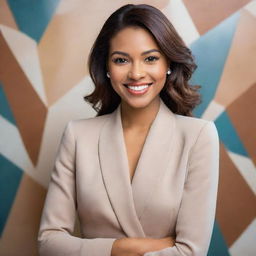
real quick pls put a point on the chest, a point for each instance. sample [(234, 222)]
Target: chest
[(102, 186), (134, 142)]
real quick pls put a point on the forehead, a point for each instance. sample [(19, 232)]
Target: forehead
[(133, 39)]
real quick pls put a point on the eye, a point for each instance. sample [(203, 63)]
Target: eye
[(151, 59), (119, 60)]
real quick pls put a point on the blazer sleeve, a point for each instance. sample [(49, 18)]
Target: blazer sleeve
[(58, 217), (197, 210)]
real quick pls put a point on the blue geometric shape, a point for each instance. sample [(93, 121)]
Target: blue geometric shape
[(32, 17), (218, 245), (5, 109), (10, 177), (228, 135), (210, 52)]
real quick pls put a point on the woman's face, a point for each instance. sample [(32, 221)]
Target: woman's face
[(137, 67)]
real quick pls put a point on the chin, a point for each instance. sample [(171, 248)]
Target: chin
[(138, 104)]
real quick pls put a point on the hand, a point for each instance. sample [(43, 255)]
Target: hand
[(139, 246), (153, 244), (124, 247)]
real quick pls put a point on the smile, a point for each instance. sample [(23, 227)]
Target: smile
[(138, 88)]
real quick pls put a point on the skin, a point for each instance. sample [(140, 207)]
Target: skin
[(135, 58)]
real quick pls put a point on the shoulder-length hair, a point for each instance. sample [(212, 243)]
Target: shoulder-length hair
[(178, 95)]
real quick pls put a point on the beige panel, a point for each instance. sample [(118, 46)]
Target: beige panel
[(160, 4), (6, 17), (64, 47), (242, 114), (28, 109), (20, 234), (206, 14), (239, 71), (236, 205)]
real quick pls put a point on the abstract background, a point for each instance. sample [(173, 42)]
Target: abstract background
[(44, 47)]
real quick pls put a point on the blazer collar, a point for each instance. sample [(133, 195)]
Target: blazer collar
[(129, 201)]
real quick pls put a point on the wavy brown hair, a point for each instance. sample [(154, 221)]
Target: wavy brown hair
[(178, 95)]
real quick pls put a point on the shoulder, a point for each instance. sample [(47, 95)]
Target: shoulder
[(86, 126), (196, 128), (201, 137)]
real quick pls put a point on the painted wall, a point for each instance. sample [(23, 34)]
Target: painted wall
[(44, 47)]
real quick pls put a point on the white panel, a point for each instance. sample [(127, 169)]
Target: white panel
[(181, 20), (24, 49), (12, 148), (246, 169), (213, 111), (251, 7), (70, 106), (245, 245)]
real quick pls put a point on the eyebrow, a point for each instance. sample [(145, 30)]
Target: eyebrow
[(126, 54)]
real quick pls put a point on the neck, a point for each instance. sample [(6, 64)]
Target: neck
[(139, 118)]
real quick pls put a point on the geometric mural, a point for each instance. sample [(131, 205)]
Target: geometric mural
[(44, 47)]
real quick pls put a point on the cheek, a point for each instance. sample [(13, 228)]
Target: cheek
[(159, 73), (117, 73), (117, 78)]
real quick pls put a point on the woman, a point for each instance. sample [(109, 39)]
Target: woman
[(143, 174)]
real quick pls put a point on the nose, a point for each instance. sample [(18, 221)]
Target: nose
[(136, 71)]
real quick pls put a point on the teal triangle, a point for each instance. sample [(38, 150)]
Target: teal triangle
[(32, 17), (218, 245), (10, 177), (5, 109), (211, 51), (228, 135)]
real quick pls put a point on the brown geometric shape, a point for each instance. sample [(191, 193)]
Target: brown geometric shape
[(63, 50), (206, 14), (65, 45), (236, 204), (242, 114), (6, 17), (27, 107), (21, 229), (239, 71)]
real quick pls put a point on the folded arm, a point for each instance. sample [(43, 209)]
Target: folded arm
[(58, 218), (197, 210)]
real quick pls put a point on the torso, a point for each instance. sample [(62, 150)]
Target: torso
[(134, 142)]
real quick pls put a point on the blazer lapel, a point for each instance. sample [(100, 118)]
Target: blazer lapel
[(115, 172), (154, 159), (129, 201)]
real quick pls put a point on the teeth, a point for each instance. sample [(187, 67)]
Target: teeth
[(138, 88)]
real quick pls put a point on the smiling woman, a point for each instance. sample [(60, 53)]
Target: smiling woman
[(137, 68), (142, 175), (159, 33)]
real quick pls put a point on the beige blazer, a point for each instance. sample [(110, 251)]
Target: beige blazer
[(172, 193)]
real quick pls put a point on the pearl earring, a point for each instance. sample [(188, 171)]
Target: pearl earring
[(108, 75), (168, 72)]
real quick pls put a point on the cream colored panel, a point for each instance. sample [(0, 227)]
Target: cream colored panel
[(246, 168), (181, 19), (245, 244), (251, 7), (70, 106), (24, 49), (213, 111), (239, 71)]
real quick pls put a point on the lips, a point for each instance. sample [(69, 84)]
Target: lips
[(137, 88)]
